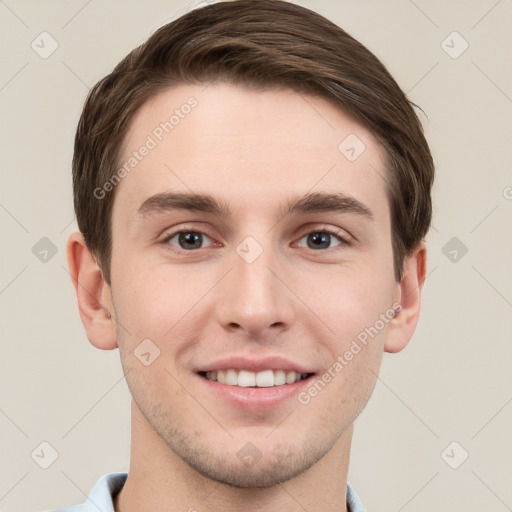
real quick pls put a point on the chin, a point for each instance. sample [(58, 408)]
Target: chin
[(266, 472), (246, 467)]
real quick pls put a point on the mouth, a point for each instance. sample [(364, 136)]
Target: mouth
[(249, 379)]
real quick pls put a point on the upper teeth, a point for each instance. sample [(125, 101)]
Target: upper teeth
[(264, 379)]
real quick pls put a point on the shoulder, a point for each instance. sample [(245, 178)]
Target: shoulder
[(101, 495), (354, 503)]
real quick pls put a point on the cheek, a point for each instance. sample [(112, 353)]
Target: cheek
[(347, 303), (151, 386), (151, 303)]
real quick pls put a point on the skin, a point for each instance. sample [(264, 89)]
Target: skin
[(252, 150)]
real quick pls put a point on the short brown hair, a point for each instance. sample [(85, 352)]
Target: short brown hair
[(260, 44)]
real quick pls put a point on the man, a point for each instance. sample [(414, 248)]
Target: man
[(252, 190)]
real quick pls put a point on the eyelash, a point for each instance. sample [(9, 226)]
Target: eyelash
[(343, 240)]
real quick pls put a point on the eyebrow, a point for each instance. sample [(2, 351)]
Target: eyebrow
[(308, 203)]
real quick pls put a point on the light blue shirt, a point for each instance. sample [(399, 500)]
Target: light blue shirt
[(102, 496)]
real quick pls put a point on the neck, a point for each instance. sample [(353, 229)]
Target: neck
[(159, 480)]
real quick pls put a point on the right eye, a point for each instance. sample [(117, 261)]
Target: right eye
[(186, 239)]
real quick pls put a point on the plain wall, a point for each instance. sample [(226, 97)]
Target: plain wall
[(453, 381)]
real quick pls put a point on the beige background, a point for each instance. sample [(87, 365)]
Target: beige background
[(452, 383)]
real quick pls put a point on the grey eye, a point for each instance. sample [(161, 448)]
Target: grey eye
[(320, 240)]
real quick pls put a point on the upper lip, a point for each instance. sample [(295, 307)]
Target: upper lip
[(254, 364)]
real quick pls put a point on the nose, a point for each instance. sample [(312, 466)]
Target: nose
[(254, 299)]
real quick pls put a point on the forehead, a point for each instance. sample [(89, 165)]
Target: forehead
[(250, 149)]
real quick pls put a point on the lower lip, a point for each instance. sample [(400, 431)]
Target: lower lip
[(255, 399)]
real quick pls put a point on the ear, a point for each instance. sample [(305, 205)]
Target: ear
[(408, 294), (93, 294)]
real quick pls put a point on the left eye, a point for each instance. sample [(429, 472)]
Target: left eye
[(188, 239), (321, 239)]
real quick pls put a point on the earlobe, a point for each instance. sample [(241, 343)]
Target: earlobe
[(91, 291), (402, 326)]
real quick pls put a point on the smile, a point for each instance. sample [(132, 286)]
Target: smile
[(262, 379)]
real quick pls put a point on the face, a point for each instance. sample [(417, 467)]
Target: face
[(239, 310)]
